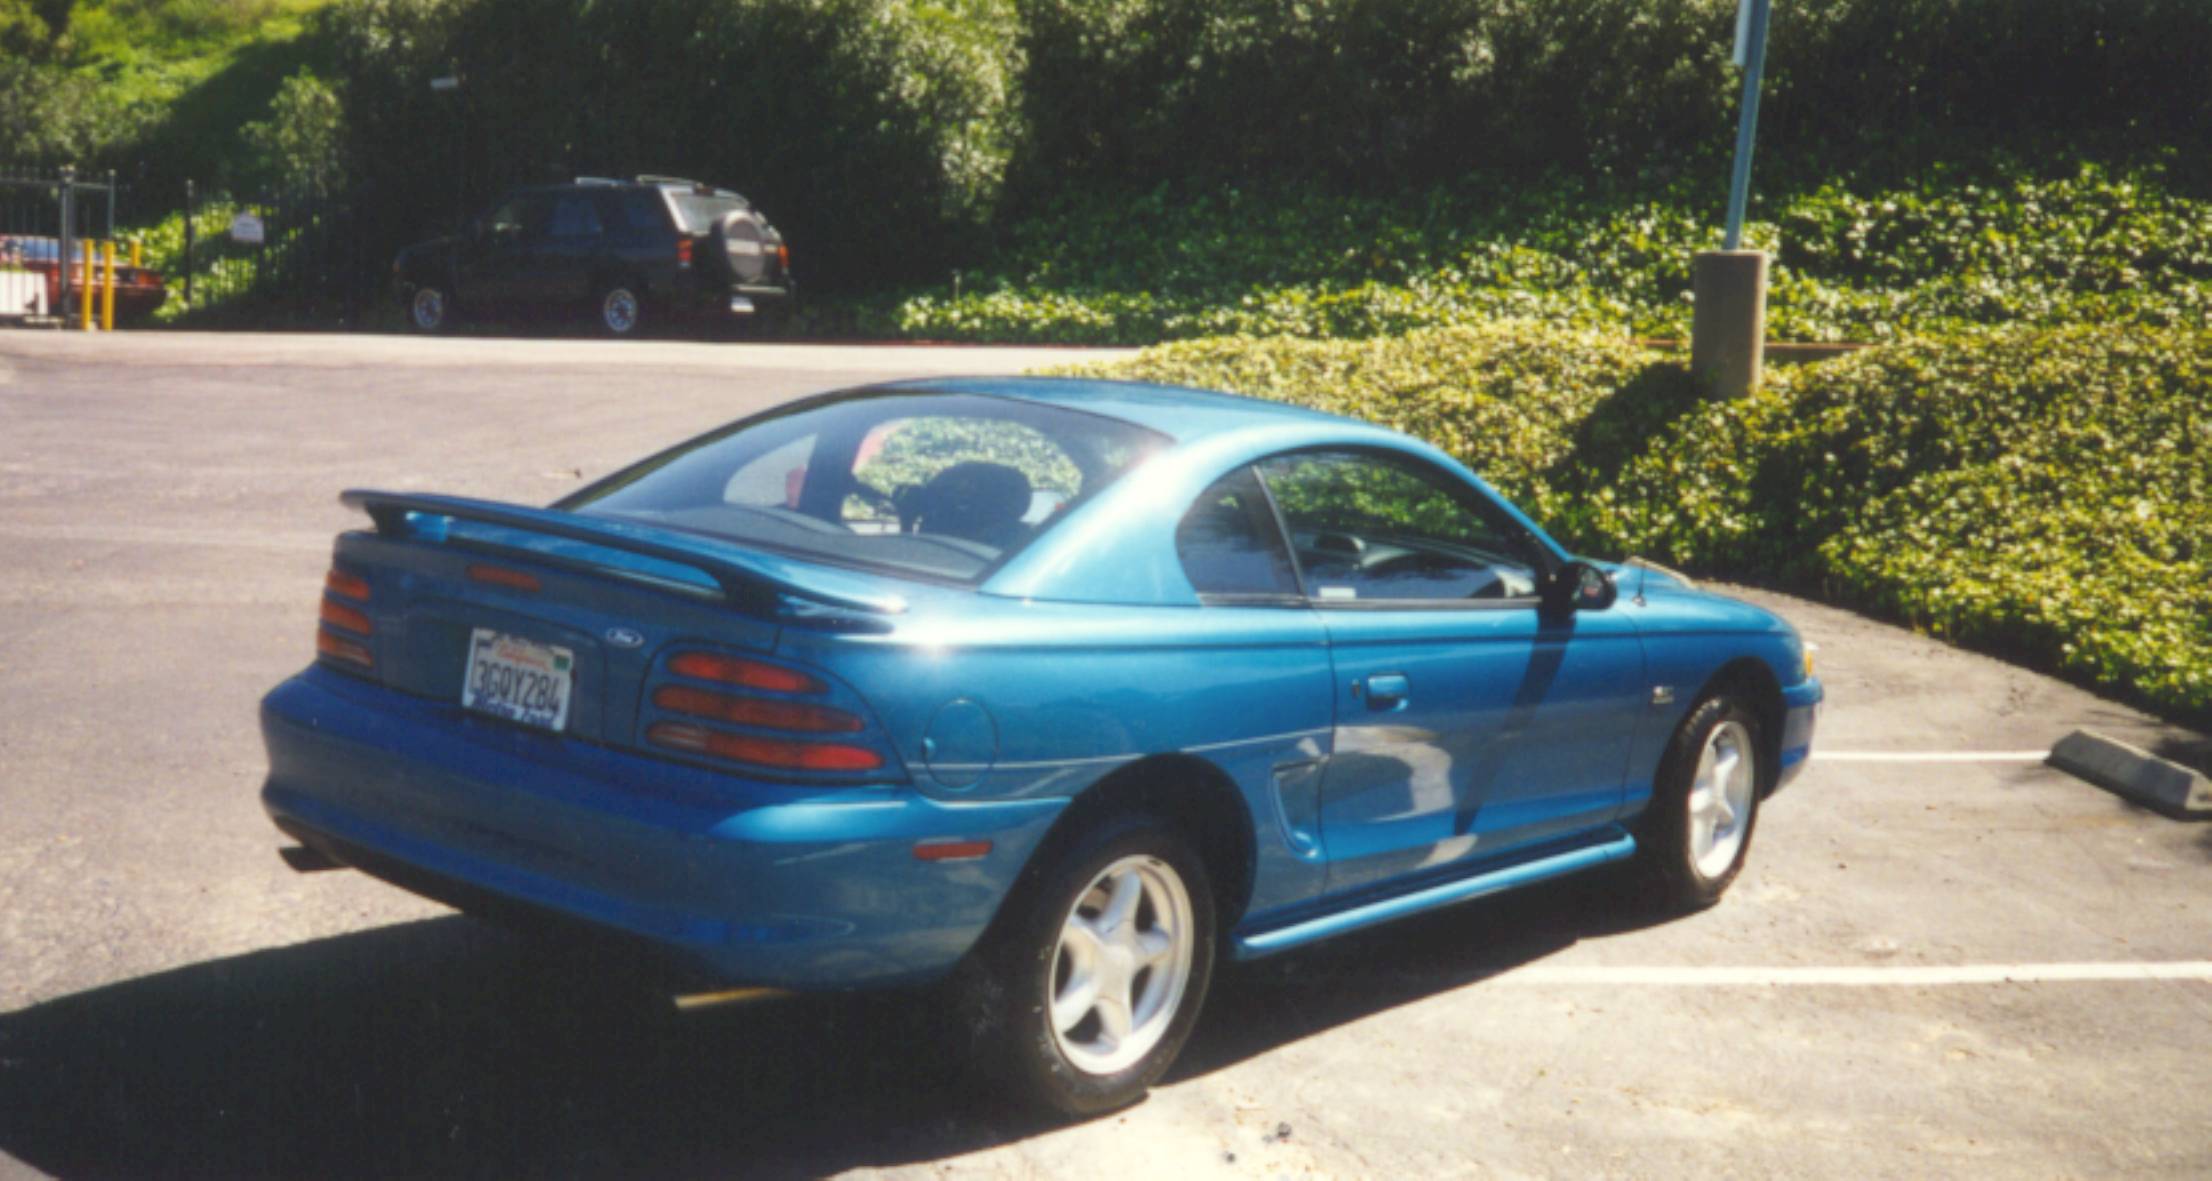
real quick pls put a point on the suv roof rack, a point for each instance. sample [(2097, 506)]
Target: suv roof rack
[(654, 179), (597, 180)]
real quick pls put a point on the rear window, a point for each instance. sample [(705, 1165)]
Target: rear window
[(938, 485), (700, 211)]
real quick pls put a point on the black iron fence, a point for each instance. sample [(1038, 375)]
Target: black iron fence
[(296, 254), (263, 257), (46, 215)]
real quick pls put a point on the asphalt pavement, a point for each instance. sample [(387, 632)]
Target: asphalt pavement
[(1943, 959)]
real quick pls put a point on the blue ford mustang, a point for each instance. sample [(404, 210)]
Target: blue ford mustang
[(1053, 690)]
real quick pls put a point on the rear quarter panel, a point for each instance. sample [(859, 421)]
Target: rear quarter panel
[(1075, 692)]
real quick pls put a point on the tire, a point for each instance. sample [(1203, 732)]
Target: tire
[(430, 309), (1705, 804), (619, 310), (1131, 890), (737, 246)]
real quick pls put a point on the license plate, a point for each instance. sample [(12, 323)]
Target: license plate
[(518, 680)]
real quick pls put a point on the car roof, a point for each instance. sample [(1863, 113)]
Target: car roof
[(1183, 414)]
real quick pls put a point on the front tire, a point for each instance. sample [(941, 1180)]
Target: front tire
[(1705, 804), (430, 310), (1085, 996)]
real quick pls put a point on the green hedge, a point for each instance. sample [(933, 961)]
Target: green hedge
[(1951, 251), (2045, 494)]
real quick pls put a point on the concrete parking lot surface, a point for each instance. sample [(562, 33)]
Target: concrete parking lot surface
[(1943, 959)]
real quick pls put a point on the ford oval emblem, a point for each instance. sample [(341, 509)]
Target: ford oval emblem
[(622, 637)]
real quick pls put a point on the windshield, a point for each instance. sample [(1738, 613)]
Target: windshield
[(938, 485)]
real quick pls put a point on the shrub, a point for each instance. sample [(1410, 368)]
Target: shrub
[(2046, 494), (1950, 251)]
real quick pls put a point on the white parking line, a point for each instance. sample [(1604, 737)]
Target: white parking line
[(1930, 756), (1911, 976)]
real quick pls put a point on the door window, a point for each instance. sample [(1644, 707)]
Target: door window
[(1373, 526), (574, 217), (1230, 544)]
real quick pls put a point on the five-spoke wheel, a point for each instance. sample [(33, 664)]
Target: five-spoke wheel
[(1122, 966), (1698, 828), (1092, 980)]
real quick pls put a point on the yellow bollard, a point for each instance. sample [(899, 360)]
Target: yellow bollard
[(84, 290), (137, 259), (107, 292)]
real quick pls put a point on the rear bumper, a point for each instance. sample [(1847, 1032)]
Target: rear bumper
[(1801, 714), (745, 882)]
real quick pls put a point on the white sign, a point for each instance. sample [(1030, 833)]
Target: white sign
[(246, 228)]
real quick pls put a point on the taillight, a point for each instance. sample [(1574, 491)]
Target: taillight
[(683, 252), (337, 613), (343, 650), (755, 711), (338, 582), (783, 257), (802, 735), (746, 674), (344, 625), (779, 753)]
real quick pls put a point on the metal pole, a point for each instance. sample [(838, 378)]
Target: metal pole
[(1755, 64), (111, 204), (190, 210), (63, 252), (107, 287)]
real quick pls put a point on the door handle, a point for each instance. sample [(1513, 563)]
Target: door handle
[(1386, 690)]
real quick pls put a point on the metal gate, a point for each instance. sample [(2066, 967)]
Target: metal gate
[(44, 216)]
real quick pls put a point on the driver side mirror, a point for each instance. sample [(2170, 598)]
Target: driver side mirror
[(1580, 586)]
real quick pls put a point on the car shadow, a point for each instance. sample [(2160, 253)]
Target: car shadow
[(445, 1047)]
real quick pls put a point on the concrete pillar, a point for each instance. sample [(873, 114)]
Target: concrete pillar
[(1729, 328)]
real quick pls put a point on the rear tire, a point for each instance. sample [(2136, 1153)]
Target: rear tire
[(620, 310), (1086, 990), (1705, 804)]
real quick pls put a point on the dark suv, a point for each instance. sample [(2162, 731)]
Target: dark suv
[(630, 253)]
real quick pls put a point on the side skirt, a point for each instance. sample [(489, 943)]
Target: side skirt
[(1252, 945)]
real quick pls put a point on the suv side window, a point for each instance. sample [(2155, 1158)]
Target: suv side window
[(506, 221), (638, 211), (1230, 544), (1369, 526), (574, 217)]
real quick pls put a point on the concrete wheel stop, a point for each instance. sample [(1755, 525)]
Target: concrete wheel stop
[(2138, 775)]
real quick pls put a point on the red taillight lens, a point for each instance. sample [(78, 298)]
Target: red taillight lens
[(683, 252), (764, 752), (502, 576), (783, 257), (340, 615), (754, 711), (747, 674), (337, 647), (338, 582)]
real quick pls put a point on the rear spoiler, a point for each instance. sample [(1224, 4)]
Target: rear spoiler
[(743, 577)]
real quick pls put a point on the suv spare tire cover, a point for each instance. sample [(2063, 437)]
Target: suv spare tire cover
[(740, 240)]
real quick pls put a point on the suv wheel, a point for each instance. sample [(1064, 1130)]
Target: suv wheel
[(1090, 990), (429, 310), (621, 312)]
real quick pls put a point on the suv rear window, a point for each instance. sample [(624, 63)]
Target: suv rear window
[(700, 211), (939, 485)]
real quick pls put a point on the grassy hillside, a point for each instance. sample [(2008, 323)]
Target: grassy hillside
[(156, 89)]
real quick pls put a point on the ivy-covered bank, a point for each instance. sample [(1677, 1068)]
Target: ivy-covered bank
[(1945, 253), (2042, 493)]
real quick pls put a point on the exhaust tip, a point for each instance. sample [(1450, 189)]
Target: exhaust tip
[(305, 860)]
